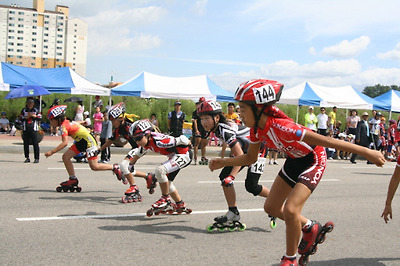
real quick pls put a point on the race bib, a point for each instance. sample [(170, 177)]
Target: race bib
[(258, 167)]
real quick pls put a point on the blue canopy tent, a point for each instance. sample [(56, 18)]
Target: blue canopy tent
[(345, 97), (147, 85), (55, 80), (392, 99)]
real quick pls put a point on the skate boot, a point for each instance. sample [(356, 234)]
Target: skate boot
[(181, 207), (312, 236), (164, 203), (132, 195), (228, 221), (272, 222), (151, 182), (70, 184), (285, 261), (203, 161), (117, 171)]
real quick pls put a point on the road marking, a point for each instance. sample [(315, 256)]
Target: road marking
[(142, 167), (77, 217), (261, 181)]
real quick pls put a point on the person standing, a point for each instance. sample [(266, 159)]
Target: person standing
[(106, 133), (97, 103), (375, 121), (332, 120), (310, 119), (176, 119), (352, 121), (79, 112), (322, 122), (31, 118), (98, 122), (363, 137), (199, 135), (4, 123)]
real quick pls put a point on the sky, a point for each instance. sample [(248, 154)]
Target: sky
[(329, 43)]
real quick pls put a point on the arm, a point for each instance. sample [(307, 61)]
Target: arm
[(244, 159), (394, 183), (236, 150), (373, 156), (61, 146), (107, 144)]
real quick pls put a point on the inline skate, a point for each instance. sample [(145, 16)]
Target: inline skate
[(132, 195), (179, 208), (272, 222), (203, 161), (228, 221), (117, 171), (163, 205), (69, 185), (312, 236), (151, 182)]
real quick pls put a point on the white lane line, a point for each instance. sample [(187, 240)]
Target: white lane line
[(261, 181), (53, 218), (142, 167)]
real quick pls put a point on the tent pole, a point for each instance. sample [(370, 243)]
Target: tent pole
[(297, 114), (90, 105), (40, 103), (390, 114)]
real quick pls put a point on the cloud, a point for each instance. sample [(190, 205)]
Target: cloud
[(199, 7), (391, 55), (347, 49)]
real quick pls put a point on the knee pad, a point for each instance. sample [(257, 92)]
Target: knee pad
[(124, 166), (161, 174), (171, 187), (253, 187)]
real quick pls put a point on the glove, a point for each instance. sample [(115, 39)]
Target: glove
[(227, 181)]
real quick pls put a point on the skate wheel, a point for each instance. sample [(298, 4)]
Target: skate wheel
[(272, 224), (242, 227), (140, 199), (210, 228), (179, 211), (72, 189), (314, 250), (303, 260), (329, 226), (78, 189), (58, 189), (149, 213), (130, 200), (157, 212), (188, 211), (322, 240), (231, 229), (123, 200), (65, 189), (171, 212), (221, 229)]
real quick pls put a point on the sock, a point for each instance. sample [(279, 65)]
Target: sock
[(179, 202), (290, 257), (72, 177), (165, 196), (308, 223), (234, 210)]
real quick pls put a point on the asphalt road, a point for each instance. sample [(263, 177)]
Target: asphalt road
[(39, 226)]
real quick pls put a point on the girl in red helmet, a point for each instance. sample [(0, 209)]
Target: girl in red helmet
[(237, 138), (302, 170), (84, 142)]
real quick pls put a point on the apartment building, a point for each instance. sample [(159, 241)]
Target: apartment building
[(39, 38)]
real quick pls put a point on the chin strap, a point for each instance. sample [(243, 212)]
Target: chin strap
[(257, 116)]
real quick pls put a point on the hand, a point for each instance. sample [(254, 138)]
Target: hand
[(48, 154), (375, 157), (387, 212), (216, 163)]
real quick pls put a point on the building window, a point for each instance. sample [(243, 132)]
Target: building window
[(10, 56), (10, 43), (34, 27), (58, 29), (33, 52), (45, 47), (20, 44), (19, 63), (59, 35), (45, 58), (19, 56), (34, 45), (10, 37), (20, 19), (46, 28), (35, 15), (47, 16), (45, 53), (10, 50), (59, 48), (34, 33), (11, 24), (58, 60), (45, 65), (11, 12), (33, 57), (58, 66), (46, 22), (10, 31), (20, 32), (34, 21), (45, 40), (20, 13), (33, 64), (60, 54), (46, 34), (20, 38), (19, 51), (11, 18), (59, 41), (33, 40), (20, 26)]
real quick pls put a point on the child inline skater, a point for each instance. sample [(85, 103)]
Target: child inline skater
[(302, 170), (179, 156), (237, 137), (84, 142), (121, 123)]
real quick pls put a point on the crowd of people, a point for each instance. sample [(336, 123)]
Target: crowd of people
[(252, 129)]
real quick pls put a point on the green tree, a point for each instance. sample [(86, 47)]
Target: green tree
[(373, 91)]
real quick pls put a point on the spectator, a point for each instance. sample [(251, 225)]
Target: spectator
[(98, 102), (154, 120), (30, 117), (352, 121), (199, 135), (322, 122), (86, 122), (332, 120), (98, 122), (310, 119), (79, 112), (54, 130), (176, 119), (375, 129), (4, 123), (232, 116), (337, 130), (106, 133), (362, 135), (391, 131)]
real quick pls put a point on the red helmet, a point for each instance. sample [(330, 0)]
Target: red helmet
[(259, 91), (56, 111), (140, 128), (209, 108)]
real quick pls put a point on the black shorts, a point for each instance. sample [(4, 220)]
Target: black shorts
[(307, 170)]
